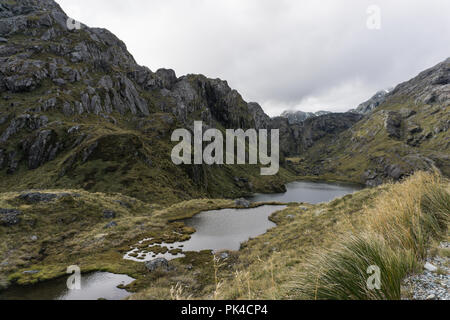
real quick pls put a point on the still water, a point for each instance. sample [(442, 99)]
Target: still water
[(216, 230), (94, 286), (305, 191)]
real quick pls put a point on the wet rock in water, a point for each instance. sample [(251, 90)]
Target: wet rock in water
[(242, 203), (109, 214), (9, 217), (3, 40), (112, 224), (158, 264)]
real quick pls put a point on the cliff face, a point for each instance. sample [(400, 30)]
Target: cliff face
[(297, 139)]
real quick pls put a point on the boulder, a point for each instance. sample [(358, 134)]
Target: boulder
[(158, 264), (428, 266), (9, 217), (36, 197), (242, 203)]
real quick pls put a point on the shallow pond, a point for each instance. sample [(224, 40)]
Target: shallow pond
[(94, 286), (216, 230)]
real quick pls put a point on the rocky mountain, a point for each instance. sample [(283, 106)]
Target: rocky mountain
[(405, 133), (297, 139), (296, 117), (76, 110), (373, 102)]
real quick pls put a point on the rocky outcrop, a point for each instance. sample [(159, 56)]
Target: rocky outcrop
[(393, 125), (430, 86), (27, 122), (329, 124), (37, 197), (373, 102), (296, 139), (262, 120)]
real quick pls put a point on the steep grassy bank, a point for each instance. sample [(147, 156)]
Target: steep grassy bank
[(324, 251)]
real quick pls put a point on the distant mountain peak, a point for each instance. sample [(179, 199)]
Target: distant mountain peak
[(300, 116), (377, 99)]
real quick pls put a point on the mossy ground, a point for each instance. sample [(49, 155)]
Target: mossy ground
[(71, 230)]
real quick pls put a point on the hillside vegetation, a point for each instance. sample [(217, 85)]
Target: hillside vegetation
[(324, 251)]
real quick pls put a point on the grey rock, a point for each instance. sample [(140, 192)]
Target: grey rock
[(9, 217), (393, 124), (429, 87), (24, 121), (428, 266), (224, 255), (158, 264), (242, 203), (42, 148), (59, 82), (373, 102), (262, 120), (3, 40), (167, 78), (109, 214)]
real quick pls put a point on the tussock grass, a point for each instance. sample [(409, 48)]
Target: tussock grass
[(400, 226)]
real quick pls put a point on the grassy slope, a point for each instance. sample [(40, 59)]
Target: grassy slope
[(347, 156)]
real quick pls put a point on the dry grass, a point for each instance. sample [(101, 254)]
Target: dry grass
[(400, 227)]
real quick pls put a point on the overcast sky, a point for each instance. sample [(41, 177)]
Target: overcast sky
[(285, 54)]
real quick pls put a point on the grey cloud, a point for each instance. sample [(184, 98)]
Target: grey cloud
[(304, 54)]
